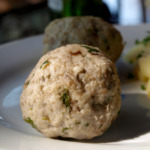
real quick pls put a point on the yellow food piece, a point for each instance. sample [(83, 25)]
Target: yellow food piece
[(139, 56), (137, 52), (148, 88), (143, 68), (142, 71)]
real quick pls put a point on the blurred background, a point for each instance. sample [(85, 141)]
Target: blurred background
[(23, 18)]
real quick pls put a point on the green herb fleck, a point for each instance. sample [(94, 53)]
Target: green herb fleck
[(87, 124), (131, 61), (64, 129), (100, 126), (78, 122), (46, 118), (90, 50), (66, 99), (46, 62), (143, 87), (139, 56), (28, 120), (144, 41), (137, 41), (130, 76), (118, 112), (28, 82)]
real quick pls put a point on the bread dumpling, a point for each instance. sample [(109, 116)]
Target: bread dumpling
[(84, 30), (73, 92)]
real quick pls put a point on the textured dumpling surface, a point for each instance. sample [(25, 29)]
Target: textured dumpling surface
[(73, 92), (84, 30)]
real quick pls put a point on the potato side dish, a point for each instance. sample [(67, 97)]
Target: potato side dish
[(139, 56), (72, 92), (142, 71), (84, 30)]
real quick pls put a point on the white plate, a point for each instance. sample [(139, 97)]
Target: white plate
[(130, 131)]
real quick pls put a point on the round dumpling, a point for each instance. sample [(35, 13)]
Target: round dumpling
[(84, 30), (73, 92)]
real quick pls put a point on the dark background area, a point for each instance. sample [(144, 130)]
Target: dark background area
[(23, 18)]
